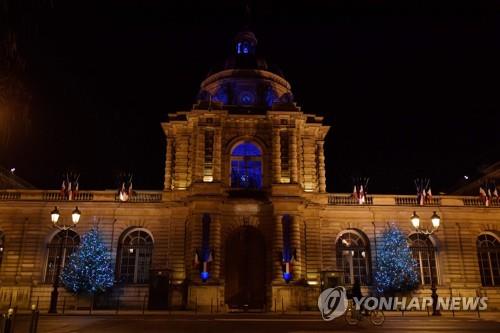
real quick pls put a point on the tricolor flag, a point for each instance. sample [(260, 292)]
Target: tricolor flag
[(361, 198), (63, 188), (484, 196), (355, 193), (196, 260)]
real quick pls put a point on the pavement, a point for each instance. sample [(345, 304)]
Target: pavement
[(187, 322)]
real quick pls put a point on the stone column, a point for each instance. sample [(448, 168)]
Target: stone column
[(277, 249), (321, 167), (276, 156), (296, 245), (215, 245), (168, 165), (181, 165), (293, 158)]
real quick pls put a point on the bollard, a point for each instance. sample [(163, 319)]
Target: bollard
[(91, 304), (217, 306), (117, 304), (35, 315), (64, 304), (196, 305), (211, 305), (282, 305), (275, 304)]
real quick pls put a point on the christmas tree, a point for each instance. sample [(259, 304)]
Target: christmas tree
[(89, 268), (396, 268)]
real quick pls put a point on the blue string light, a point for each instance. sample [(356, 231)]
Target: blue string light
[(396, 267), (89, 268)]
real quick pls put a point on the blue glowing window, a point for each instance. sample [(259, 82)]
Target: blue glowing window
[(242, 48), (246, 166), (246, 149)]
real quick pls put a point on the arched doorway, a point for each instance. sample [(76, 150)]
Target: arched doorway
[(245, 278)]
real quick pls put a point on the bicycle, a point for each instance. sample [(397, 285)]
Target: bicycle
[(354, 316)]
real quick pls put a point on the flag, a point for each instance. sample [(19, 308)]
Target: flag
[(196, 260), (70, 191), (482, 192), (76, 188), (130, 188), (63, 188), (495, 193), (210, 257), (429, 194), (355, 193), (123, 195), (484, 196), (361, 195)]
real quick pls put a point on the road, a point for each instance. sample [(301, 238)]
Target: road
[(249, 323)]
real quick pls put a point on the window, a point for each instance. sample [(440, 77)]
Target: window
[(62, 245), (424, 253), (353, 256), (246, 166), (135, 253), (488, 253), (1, 246), (285, 165), (208, 166)]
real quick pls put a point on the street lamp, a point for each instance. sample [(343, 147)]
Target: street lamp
[(436, 221), (54, 217)]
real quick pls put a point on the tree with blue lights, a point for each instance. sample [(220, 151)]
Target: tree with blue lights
[(89, 268), (396, 267)]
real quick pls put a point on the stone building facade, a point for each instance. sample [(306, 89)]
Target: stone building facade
[(244, 220)]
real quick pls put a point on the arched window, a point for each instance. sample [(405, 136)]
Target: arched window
[(353, 255), (135, 252), (1, 246), (488, 252), (424, 252), (62, 245), (246, 166)]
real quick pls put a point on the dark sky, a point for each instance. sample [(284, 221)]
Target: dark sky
[(410, 90)]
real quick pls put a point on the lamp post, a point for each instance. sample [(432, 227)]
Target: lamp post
[(54, 217), (436, 221)]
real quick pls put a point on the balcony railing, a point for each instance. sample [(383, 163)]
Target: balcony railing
[(96, 196), (341, 199), (348, 200), (413, 201)]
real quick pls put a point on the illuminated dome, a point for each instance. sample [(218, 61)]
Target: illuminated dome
[(246, 80)]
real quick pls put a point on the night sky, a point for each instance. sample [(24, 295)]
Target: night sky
[(410, 90)]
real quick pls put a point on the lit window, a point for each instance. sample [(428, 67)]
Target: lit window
[(246, 166), (488, 253), (135, 253), (353, 256), (285, 166), (424, 253), (208, 166), (69, 240), (242, 48)]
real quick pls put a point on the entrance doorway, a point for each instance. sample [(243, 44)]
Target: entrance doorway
[(245, 278)]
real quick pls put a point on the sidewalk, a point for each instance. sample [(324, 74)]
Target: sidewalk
[(485, 315)]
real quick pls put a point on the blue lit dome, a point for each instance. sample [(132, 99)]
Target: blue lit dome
[(246, 80)]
